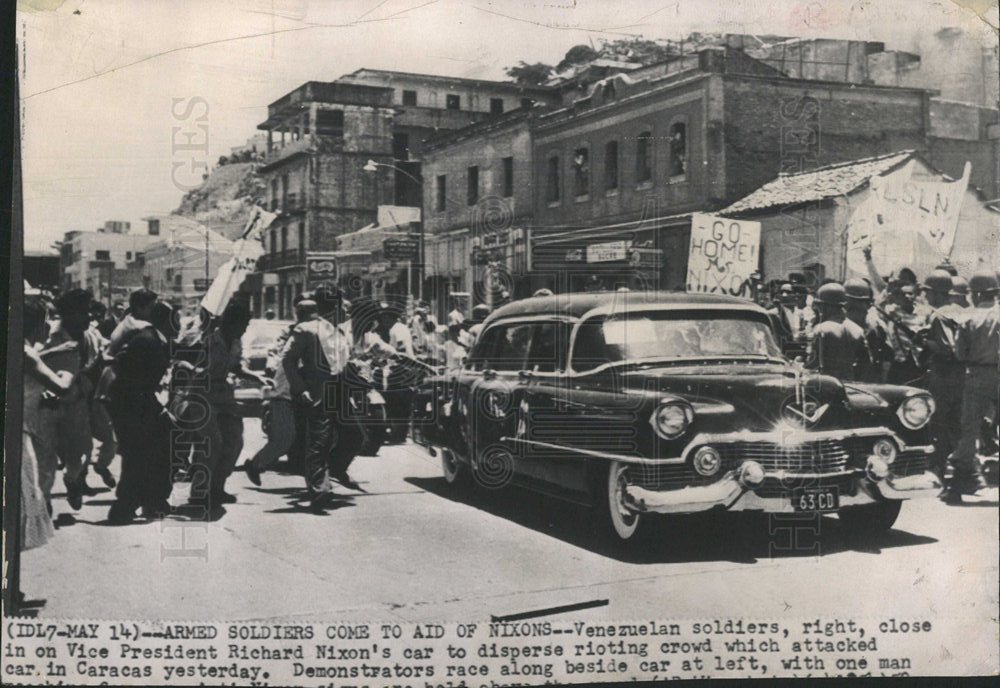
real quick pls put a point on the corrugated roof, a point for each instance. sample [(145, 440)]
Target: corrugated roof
[(818, 184)]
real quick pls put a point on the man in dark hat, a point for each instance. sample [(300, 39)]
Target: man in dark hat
[(959, 293), (977, 347), (838, 343), (314, 361), (944, 373)]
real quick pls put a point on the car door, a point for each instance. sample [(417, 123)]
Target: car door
[(495, 390)]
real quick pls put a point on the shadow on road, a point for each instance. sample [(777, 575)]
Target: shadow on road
[(735, 537)]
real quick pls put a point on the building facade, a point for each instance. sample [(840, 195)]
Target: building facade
[(184, 259), (107, 263), (320, 139), (617, 173), (478, 205)]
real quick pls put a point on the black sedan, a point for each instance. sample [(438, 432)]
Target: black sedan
[(671, 403)]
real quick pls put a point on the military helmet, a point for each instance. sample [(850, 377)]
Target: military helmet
[(984, 281), (857, 288), (831, 294), (938, 280)]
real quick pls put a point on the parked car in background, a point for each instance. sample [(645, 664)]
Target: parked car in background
[(259, 341), (640, 403)]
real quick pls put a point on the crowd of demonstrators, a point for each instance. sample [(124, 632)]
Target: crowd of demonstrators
[(894, 329)]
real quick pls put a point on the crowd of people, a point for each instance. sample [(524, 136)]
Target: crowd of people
[(158, 391), (939, 334)]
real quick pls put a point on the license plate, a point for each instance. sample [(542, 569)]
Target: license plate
[(816, 499)]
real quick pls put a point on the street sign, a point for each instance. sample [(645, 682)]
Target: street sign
[(201, 283), (401, 249)]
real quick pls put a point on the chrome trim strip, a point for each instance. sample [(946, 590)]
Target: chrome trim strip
[(724, 438), (624, 458)]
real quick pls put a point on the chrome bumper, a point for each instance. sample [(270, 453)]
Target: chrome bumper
[(729, 494)]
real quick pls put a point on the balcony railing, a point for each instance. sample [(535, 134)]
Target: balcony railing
[(289, 258)]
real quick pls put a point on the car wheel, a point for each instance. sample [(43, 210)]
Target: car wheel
[(455, 472), (620, 522), (870, 519)]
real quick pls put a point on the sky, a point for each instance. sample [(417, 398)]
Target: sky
[(112, 90)]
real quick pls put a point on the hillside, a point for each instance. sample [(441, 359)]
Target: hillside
[(224, 199)]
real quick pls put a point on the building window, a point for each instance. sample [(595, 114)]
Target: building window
[(128, 255), (103, 255), (401, 145), (274, 194), (611, 165), (644, 158), (473, 190), (330, 123), (508, 177), (284, 239), (527, 102), (581, 172), (452, 102), (678, 149), (154, 227), (302, 237), (409, 97), (552, 184), (496, 106), (442, 190), (274, 241)]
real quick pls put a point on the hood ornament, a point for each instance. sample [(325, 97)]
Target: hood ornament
[(802, 408)]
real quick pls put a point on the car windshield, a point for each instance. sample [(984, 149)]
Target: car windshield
[(672, 335)]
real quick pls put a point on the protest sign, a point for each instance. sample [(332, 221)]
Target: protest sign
[(723, 254)]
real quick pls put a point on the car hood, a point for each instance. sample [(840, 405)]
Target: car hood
[(749, 397)]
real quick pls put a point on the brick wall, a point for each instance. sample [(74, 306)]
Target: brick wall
[(772, 127)]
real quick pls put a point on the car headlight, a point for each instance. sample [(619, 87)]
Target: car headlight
[(916, 411), (671, 420)]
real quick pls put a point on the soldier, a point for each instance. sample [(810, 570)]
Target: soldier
[(944, 373), (977, 346), (838, 343), (873, 366)]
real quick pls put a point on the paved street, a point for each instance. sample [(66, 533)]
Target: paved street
[(412, 550)]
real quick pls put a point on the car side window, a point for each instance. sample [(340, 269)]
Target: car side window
[(548, 347), (590, 350), (483, 349), (512, 347)]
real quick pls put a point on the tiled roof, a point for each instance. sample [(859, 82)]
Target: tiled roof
[(815, 185)]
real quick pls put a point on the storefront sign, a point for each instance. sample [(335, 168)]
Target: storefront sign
[(320, 268), (201, 283), (401, 249), (603, 253), (723, 254), (271, 279)]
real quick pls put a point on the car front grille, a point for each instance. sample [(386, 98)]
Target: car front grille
[(820, 456), (826, 456)]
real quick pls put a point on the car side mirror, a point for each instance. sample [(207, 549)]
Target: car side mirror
[(489, 374)]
